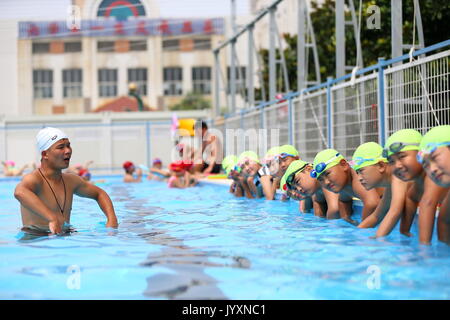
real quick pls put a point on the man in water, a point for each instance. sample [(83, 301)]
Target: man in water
[(208, 156), (46, 194)]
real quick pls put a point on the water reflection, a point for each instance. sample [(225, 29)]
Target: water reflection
[(188, 280)]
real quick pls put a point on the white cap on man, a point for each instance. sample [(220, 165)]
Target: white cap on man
[(47, 137)]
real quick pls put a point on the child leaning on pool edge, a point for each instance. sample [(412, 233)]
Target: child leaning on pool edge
[(401, 151), (229, 165), (297, 177), (335, 174), (374, 171), (434, 156)]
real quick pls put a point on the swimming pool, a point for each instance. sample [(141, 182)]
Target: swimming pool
[(202, 243)]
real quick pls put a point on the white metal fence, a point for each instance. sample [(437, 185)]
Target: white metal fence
[(344, 113)]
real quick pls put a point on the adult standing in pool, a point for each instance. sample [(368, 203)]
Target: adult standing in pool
[(208, 155), (46, 194)]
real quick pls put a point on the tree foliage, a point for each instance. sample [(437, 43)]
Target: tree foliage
[(192, 101), (375, 43)]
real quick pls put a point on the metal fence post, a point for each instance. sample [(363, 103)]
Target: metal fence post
[(290, 122), (329, 114), (381, 104), (148, 136)]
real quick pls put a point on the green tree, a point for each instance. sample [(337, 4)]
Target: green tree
[(375, 43), (192, 101)]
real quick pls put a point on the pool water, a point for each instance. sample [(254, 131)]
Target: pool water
[(202, 243)]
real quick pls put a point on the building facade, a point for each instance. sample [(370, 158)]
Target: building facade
[(86, 63)]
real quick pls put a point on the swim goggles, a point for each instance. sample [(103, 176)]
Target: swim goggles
[(431, 147), (284, 155), (320, 167), (396, 147), (291, 177), (236, 168), (357, 161)]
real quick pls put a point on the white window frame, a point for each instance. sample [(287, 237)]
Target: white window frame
[(107, 82), (42, 83), (139, 77), (72, 83), (201, 80), (173, 81)]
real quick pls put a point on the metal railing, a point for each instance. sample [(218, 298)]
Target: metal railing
[(343, 113)]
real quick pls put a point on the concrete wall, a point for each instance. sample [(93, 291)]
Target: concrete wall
[(8, 67), (109, 139)]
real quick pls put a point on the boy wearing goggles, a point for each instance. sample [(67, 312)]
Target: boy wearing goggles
[(401, 150), (374, 172), (287, 154), (249, 163), (229, 165), (434, 156), (336, 175), (298, 178), (268, 173)]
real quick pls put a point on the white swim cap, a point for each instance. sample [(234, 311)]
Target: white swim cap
[(47, 137)]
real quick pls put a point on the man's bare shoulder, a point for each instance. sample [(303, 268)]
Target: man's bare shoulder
[(31, 181), (32, 177), (72, 179)]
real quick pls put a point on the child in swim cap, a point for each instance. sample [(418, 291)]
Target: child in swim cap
[(130, 168), (10, 169), (434, 155), (232, 170), (286, 154), (157, 172), (401, 150), (250, 180), (374, 171), (268, 173), (335, 174), (297, 177)]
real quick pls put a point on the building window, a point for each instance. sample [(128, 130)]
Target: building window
[(201, 80), (72, 83), (173, 81), (138, 45), (43, 84), (139, 77), (171, 45), (105, 46), (72, 46), (40, 47), (240, 79), (107, 81), (202, 44)]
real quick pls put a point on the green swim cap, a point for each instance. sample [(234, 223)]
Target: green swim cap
[(247, 155), (402, 140), (293, 167), (287, 148), (434, 138), (272, 152), (367, 154), (229, 162), (324, 157), (283, 186)]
